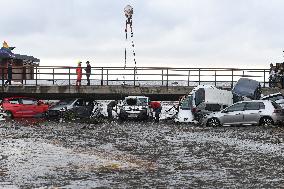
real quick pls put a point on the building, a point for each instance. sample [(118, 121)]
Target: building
[(23, 65)]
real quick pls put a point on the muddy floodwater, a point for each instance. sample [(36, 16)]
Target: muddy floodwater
[(139, 154)]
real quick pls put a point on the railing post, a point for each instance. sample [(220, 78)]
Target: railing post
[(188, 78), (102, 80), (264, 75), (232, 84), (69, 76), (25, 74), (199, 76), (215, 75), (107, 76), (162, 77), (36, 76), (53, 76), (167, 77), (134, 76)]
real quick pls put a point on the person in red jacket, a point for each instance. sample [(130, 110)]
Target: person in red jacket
[(157, 108), (79, 74)]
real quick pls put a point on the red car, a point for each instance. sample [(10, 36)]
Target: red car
[(23, 107)]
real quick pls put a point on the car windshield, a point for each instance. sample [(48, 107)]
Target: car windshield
[(131, 101), (186, 103), (65, 102), (143, 101)]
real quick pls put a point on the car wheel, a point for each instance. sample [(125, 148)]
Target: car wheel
[(266, 121), (213, 122), (9, 114)]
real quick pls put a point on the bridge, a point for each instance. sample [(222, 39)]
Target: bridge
[(159, 83)]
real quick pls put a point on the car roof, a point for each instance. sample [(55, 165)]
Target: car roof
[(136, 97), (10, 98), (272, 95), (254, 101)]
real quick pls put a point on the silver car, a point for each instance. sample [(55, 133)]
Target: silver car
[(256, 112)]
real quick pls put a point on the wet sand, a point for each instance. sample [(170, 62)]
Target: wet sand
[(140, 154)]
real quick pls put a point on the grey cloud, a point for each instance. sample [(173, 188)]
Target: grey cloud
[(186, 30)]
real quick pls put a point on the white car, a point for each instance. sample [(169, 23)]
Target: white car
[(201, 95), (135, 107), (276, 97), (256, 112)]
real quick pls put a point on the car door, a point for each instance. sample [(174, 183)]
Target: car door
[(233, 114), (14, 106), (79, 107), (185, 110), (28, 108), (252, 112), (41, 107)]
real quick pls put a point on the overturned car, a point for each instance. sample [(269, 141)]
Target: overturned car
[(246, 89)]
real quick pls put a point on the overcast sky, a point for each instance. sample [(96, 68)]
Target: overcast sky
[(176, 33)]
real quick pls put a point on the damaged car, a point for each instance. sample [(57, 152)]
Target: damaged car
[(16, 107), (75, 107), (202, 100), (276, 97), (135, 107), (246, 89)]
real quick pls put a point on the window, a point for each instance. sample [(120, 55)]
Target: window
[(29, 102), (213, 107), (253, 106), (65, 102), (236, 107), (14, 101), (131, 101), (186, 104), (143, 101), (199, 96), (79, 102), (261, 105)]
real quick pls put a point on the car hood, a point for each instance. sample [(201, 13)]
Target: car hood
[(59, 107)]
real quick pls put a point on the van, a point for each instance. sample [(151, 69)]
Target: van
[(202, 95)]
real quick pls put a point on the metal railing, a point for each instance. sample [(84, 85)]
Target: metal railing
[(136, 76)]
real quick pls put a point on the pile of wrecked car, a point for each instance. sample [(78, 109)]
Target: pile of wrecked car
[(206, 105), (210, 106)]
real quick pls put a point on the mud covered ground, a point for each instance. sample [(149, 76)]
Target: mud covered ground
[(140, 154)]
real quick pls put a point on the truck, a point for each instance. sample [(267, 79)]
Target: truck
[(201, 100)]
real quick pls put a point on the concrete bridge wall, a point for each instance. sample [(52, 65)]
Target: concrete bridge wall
[(95, 92), (171, 93)]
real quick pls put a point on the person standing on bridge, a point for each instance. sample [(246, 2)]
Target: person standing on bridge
[(88, 72), (79, 74)]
